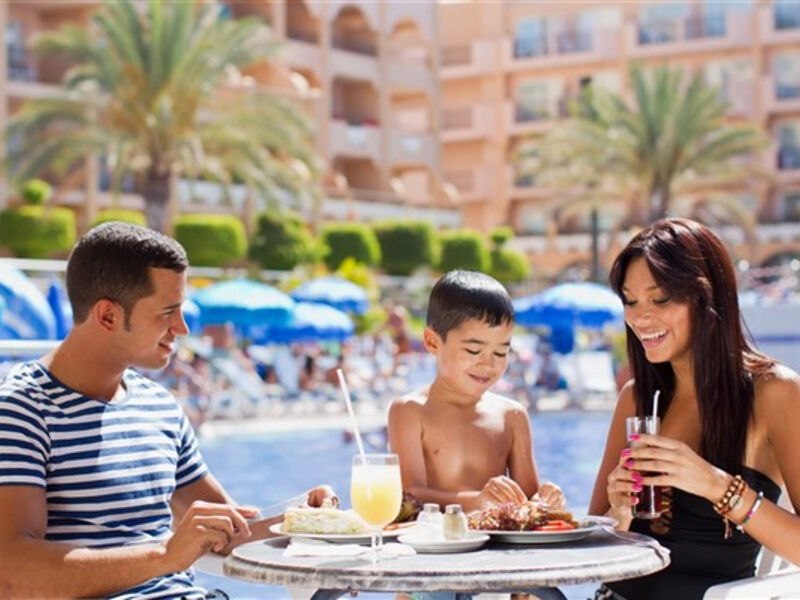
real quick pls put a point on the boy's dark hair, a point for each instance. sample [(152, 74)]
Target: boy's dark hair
[(112, 261), (461, 295)]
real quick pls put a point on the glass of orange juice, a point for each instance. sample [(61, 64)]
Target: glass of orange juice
[(376, 493)]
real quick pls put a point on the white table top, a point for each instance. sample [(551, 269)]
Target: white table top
[(494, 568)]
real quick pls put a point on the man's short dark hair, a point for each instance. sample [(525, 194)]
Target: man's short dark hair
[(112, 261), (462, 295)]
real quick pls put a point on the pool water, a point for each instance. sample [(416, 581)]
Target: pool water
[(261, 470)]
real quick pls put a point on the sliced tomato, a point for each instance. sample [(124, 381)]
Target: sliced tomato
[(556, 525)]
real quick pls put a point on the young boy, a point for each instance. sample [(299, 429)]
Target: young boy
[(457, 442)]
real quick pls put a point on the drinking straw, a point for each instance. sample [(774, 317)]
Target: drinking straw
[(349, 405), (655, 404)]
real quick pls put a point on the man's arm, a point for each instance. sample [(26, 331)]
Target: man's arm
[(405, 440), (33, 567)]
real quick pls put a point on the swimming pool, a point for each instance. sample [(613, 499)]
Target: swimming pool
[(261, 470)]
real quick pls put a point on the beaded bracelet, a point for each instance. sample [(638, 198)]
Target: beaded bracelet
[(752, 511), (735, 489)]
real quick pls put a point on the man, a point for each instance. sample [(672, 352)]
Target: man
[(103, 491)]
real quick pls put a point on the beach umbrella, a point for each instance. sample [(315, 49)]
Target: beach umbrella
[(244, 303), (62, 309), (191, 314), (334, 291), (27, 315), (310, 322), (584, 304)]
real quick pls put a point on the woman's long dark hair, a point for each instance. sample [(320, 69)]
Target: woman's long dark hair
[(691, 264)]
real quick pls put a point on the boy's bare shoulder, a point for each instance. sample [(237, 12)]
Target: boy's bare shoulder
[(409, 404), (503, 403)]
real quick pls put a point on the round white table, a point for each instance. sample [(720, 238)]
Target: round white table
[(494, 568)]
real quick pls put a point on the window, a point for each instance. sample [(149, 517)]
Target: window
[(786, 72), (660, 22), (533, 101), (791, 206), (530, 38), (787, 14), (788, 147)]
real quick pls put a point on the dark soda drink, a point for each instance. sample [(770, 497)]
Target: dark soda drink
[(650, 504)]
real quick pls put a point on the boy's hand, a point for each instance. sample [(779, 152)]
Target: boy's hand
[(551, 495), (499, 490)]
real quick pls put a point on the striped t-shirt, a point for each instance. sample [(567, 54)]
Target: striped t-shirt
[(108, 468)]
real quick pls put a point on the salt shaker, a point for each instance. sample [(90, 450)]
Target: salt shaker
[(429, 521), (455, 522)]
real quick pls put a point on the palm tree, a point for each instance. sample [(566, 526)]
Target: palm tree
[(151, 90), (669, 150)]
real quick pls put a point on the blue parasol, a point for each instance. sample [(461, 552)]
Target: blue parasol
[(334, 291), (27, 315), (309, 323), (62, 309), (568, 304), (244, 303)]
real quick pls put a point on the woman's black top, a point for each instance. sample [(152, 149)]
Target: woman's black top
[(700, 556)]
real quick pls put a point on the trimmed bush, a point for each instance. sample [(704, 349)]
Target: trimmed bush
[(500, 235), (211, 240), (36, 192), (119, 214), (406, 245), (464, 250), (282, 241), (37, 231), (350, 240), (509, 266)]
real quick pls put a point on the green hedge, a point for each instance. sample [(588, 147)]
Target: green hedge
[(37, 231), (509, 266), (407, 245), (464, 250), (282, 241), (353, 240), (36, 192), (118, 214), (211, 240)]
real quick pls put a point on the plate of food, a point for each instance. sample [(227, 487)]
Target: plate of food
[(532, 523), (426, 545), (329, 524)]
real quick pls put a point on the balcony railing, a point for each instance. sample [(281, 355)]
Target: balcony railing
[(526, 114), (342, 42), (569, 42), (788, 158), (302, 35), (787, 15), (709, 26), (658, 32), (529, 47), (456, 56)]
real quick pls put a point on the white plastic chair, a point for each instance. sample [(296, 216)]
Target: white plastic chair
[(775, 578)]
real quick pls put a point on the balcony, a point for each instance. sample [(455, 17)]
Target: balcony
[(468, 60), (692, 34), (421, 14), (466, 123), (470, 183), (351, 65), (523, 187), (781, 25), (780, 97), (410, 77), (369, 205), (563, 48), (411, 149), (358, 141), (29, 90), (301, 55), (522, 120)]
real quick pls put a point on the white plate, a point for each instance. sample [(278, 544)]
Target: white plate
[(588, 525), (425, 546), (336, 538)]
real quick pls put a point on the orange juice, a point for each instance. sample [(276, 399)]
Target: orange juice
[(376, 493)]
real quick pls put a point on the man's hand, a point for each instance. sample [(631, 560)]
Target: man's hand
[(323, 496), (207, 526)]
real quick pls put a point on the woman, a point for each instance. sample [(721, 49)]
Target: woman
[(725, 410)]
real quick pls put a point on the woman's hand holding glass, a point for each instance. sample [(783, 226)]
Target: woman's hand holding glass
[(675, 465)]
